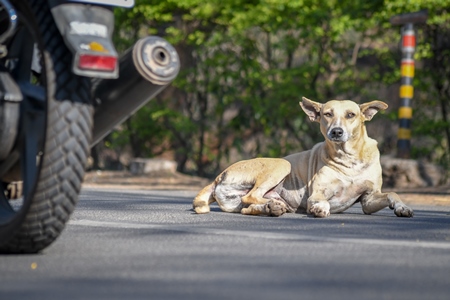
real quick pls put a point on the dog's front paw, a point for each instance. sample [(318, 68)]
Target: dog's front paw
[(320, 209), (401, 210), (275, 208)]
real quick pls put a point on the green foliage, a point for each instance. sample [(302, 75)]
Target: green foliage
[(246, 64)]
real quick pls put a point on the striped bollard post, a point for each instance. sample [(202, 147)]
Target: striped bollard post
[(408, 47), (406, 91)]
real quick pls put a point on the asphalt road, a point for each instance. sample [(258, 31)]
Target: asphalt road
[(150, 245)]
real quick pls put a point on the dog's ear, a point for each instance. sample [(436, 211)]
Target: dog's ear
[(311, 108), (369, 109)]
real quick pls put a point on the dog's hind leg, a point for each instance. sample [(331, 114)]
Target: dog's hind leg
[(229, 195), (204, 199), (273, 208), (267, 181)]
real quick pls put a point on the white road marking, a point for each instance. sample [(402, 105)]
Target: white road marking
[(262, 235)]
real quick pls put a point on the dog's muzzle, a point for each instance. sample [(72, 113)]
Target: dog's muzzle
[(337, 134)]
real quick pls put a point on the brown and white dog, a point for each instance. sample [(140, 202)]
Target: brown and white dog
[(329, 178)]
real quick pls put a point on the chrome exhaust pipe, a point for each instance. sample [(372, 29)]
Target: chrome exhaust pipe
[(144, 71)]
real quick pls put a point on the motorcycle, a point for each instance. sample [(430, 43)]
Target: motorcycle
[(63, 87)]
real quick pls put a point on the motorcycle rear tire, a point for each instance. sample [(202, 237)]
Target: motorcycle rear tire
[(66, 142)]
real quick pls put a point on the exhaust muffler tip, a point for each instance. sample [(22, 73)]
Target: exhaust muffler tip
[(156, 60), (145, 69)]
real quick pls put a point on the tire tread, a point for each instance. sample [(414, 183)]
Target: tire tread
[(69, 124)]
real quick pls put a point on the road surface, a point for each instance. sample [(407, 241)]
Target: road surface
[(127, 244)]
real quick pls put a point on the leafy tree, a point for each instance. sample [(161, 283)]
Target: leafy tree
[(246, 64)]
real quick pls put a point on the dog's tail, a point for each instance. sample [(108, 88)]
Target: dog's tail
[(204, 199)]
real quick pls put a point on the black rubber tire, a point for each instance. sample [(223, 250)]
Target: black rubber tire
[(69, 117)]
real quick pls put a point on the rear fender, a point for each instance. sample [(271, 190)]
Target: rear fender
[(87, 32)]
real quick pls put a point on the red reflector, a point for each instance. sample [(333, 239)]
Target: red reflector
[(97, 62)]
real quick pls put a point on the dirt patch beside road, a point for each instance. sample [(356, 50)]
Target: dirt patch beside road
[(439, 195), (177, 181), (152, 181)]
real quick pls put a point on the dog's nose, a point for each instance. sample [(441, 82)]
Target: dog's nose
[(336, 133)]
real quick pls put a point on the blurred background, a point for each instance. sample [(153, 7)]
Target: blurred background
[(246, 65)]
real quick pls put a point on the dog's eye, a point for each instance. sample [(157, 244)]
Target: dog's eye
[(350, 115), (328, 115)]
